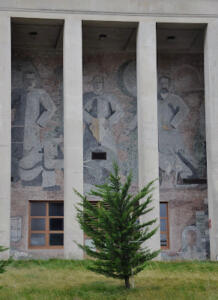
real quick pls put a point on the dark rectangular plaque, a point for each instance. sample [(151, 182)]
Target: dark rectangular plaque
[(194, 181), (99, 155)]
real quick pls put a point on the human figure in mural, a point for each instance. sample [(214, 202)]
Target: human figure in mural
[(173, 156), (128, 86), (38, 163), (191, 244), (100, 112)]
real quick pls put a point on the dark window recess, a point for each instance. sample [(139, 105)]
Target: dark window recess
[(56, 239), (102, 36), (194, 181), (56, 224), (171, 37), (56, 209), (99, 155), (33, 33)]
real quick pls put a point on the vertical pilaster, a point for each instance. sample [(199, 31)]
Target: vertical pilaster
[(147, 118), (73, 135), (5, 132), (211, 108)]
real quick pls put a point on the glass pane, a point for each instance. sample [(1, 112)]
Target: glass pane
[(163, 239), (163, 225), (37, 239), (56, 209), (38, 209), (163, 209), (38, 224), (56, 239), (56, 224)]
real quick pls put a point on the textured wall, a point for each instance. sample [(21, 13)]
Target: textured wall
[(110, 118), (182, 153), (37, 136), (110, 126)]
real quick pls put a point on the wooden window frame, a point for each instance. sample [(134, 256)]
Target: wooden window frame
[(167, 224), (47, 232)]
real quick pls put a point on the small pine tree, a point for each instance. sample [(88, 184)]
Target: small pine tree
[(3, 263), (115, 229)]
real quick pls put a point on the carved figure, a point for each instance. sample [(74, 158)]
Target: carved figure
[(100, 112), (38, 157), (172, 111)]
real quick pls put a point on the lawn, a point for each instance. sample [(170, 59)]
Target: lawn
[(62, 279)]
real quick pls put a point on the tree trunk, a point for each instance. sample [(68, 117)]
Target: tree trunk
[(127, 283)]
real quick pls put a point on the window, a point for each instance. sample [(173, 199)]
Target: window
[(164, 226), (46, 224)]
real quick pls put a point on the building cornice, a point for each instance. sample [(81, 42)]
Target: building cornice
[(128, 8), (108, 13)]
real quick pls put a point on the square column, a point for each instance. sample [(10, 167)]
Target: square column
[(147, 119), (5, 132), (211, 109), (73, 135)]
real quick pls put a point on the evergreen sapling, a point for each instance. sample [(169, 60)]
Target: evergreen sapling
[(113, 225)]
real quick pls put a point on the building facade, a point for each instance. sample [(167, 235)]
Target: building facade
[(86, 83)]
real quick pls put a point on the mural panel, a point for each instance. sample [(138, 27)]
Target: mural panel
[(37, 137), (109, 114), (182, 154), (182, 145), (37, 131)]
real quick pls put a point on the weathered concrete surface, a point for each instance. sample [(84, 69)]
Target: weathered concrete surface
[(5, 132), (211, 106), (168, 7), (147, 118), (73, 135)]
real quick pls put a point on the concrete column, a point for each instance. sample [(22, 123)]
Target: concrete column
[(147, 118), (211, 108), (73, 135), (5, 132)]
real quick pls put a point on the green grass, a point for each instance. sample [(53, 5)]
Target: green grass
[(64, 279)]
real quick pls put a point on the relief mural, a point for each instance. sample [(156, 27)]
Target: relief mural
[(179, 163), (110, 128), (109, 101), (182, 154), (37, 137), (37, 132), (110, 133)]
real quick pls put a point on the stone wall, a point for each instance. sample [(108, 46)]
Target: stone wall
[(37, 137)]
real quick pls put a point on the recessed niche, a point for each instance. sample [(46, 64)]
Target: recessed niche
[(99, 155)]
